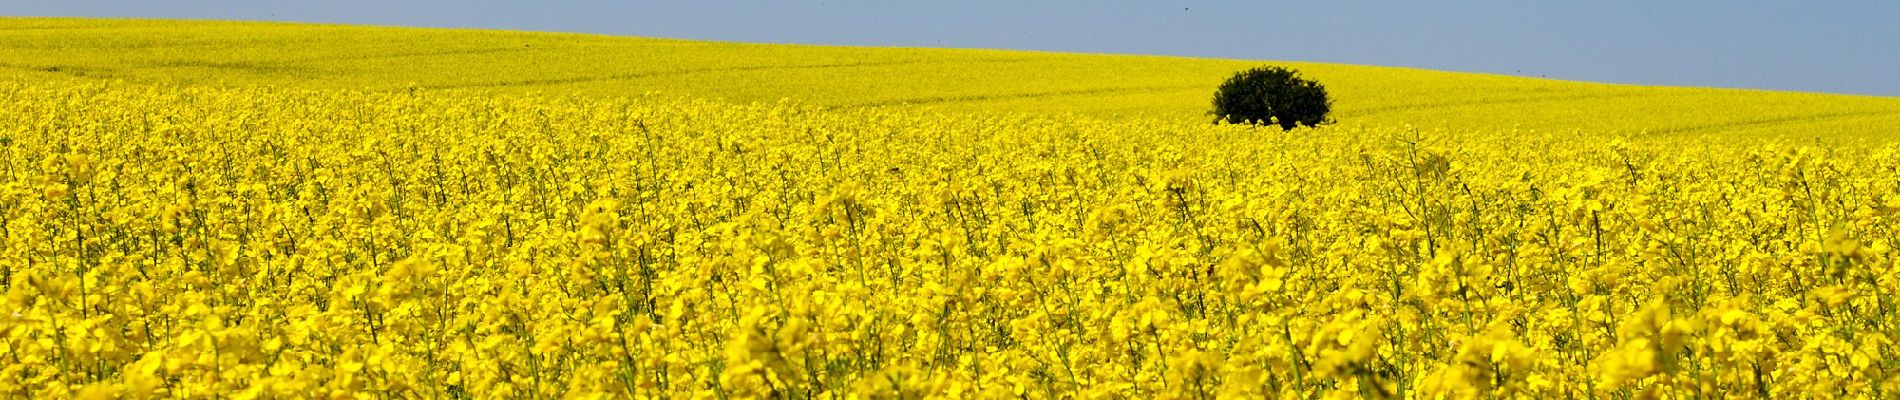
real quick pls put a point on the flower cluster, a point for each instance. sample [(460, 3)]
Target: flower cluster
[(161, 241)]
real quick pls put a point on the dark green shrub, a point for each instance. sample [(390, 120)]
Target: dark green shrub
[(1272, 95)]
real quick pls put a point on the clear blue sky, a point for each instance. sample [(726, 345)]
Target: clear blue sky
[(1839, 47)]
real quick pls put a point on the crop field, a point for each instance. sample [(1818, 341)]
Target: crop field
[(197, 209)]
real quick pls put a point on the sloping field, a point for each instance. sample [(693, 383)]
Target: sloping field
[(249, 210), (372, 58)]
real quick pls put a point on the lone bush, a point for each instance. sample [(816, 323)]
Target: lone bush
[(1271, 95)]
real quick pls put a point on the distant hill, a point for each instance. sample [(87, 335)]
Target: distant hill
[(956, 80)]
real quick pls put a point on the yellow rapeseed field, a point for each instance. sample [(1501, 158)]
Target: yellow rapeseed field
[(1114, 87), (286, 236)]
